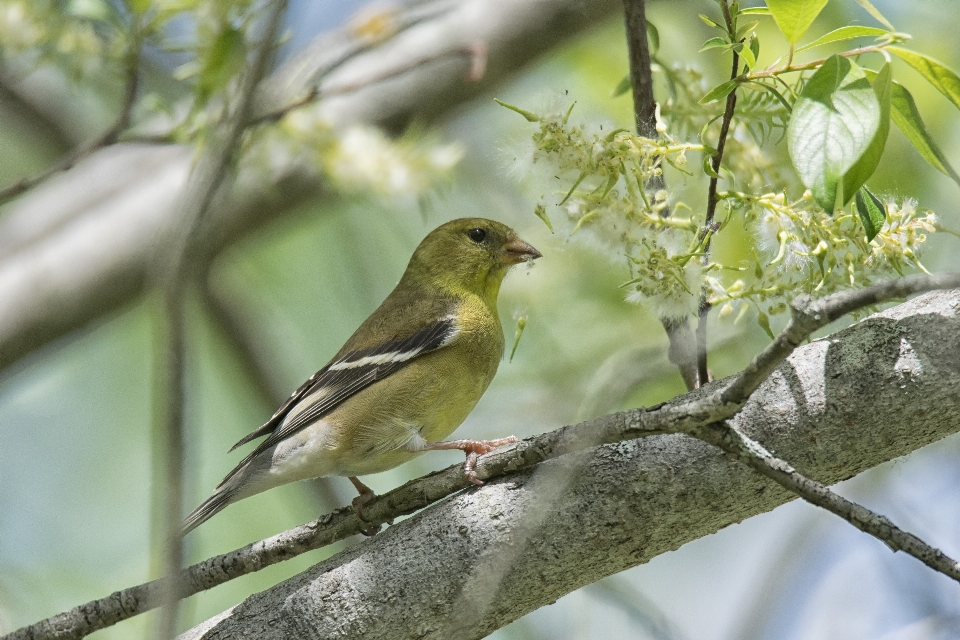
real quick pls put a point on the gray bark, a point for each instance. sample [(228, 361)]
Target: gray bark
[(467, 566), (82, 244)]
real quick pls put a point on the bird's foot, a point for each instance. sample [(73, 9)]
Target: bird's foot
[(473, 449), (366, 495)]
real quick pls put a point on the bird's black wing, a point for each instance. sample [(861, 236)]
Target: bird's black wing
[(344, 378)]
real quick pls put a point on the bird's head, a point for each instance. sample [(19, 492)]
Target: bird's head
[(471, 254)]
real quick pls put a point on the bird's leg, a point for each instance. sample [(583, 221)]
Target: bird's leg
[(366, 495), (473, 449)]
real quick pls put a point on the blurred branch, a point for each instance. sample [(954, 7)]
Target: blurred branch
[(703, 308), (834, 442), (682, 342), (80, 245), (110, 136), (40, 123), (178, 267)]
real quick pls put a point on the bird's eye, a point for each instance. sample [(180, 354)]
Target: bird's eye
[(477, 235)]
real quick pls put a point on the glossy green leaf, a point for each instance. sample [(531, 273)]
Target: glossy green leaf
[(907, 118), (747, 55), (858, 175), (755, 11), (833, 123), (794, 17), (719, 92), (844, 33), (943, 79), (871, 211)]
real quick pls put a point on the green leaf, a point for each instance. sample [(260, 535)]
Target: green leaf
[(745, 29), (541, 212), (622, 87), (772, 90), (867, 164), (711, 23), (871, 211), (97, 10), (529, 115), (746, 53), (755, 11), (943, 79), (833, 123), (139, 7), (719, 92), (755, 46), (794, 17), (764, 323), (653, 38), (872, 10), (907, 118), (713, 43), (844, 33), (222, 62)]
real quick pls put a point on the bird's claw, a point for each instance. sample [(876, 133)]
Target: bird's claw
[(477, 448)]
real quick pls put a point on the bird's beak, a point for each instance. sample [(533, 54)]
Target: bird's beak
[(516, 251)]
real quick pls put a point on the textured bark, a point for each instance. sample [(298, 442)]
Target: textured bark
[(81, 244), (462, 568)]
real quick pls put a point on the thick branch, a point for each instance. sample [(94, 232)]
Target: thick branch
[(80, 245), (686, 414), (632, 501)]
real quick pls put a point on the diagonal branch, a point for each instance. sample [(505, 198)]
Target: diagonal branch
[(755, 456), (688, 414)]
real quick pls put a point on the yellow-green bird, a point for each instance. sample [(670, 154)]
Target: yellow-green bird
[(403, 382)]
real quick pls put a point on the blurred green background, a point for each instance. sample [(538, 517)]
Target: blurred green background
[(76, 425)]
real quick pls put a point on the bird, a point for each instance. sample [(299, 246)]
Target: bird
[(402, 383)]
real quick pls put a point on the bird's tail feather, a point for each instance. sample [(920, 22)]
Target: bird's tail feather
[(208, 509)]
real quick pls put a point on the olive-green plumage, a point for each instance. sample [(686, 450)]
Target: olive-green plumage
[(404, 381)]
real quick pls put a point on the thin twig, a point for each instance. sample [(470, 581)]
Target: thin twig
[(681, 415), (476, 54), (754, 455), (178, 266), (681, 351), (109, 137), (703, 309)]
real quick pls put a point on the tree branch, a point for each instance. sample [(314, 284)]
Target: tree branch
[(688, 414), (632, 501), (80, 246), (703, 309), (755, 456), (681, 351)]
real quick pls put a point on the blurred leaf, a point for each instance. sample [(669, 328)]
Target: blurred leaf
[(713, 43), (622, 87), (774, 92), (719, 92), (834, 122), (541, 212), (858, 175), (138, 7), (872, 10), (794, 17), (871, 211), (907, 118), (222, 62), (764, 323), (521, 325), (943, 79), (98, 10), (653, 38), (844, 33), (711, 23), (755, 46)]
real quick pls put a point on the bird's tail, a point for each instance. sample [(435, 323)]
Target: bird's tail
[(210, 507)]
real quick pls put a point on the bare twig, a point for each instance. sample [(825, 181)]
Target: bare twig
[(110, 136), (755, 456), (703, 309), (695, 414), (476, 54), (681, 351), (177, 268), (809, 315)]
